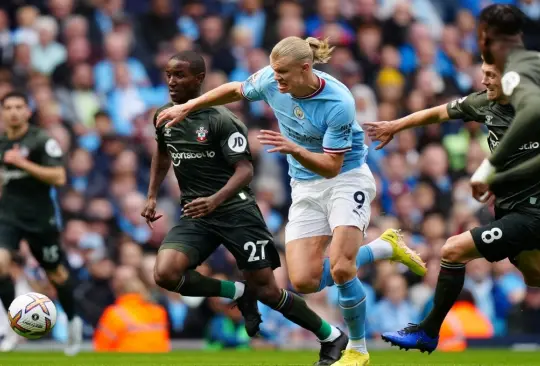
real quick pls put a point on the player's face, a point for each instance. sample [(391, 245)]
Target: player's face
[(15, 112), (492, 81), (183, 85), (289, 74)]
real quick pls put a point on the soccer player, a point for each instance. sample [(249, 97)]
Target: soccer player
[(211, 159), (332, 187), (512, 234), (500, 41), (32, 167)]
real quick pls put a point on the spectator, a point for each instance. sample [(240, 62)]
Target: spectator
[(47, 53), (132, 324), (463, 321), (116, 51), (394, 311)]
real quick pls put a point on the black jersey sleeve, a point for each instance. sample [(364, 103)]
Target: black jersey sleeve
[(232, 134), (468, 108)]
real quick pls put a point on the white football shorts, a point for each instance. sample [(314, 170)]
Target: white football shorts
[(319, 206)]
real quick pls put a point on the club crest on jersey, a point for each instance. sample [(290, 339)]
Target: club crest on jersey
[(299, 113), (201, 134), (167, 132)]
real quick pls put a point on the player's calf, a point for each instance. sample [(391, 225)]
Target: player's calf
[(64, 285), (172, 272), (263, 284), (528, 262), (7, 287)]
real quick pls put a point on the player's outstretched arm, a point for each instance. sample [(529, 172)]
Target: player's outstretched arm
[(384, 131), (223, 94)]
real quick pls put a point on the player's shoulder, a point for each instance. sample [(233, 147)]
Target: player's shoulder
[(262, 75), (37, 133), (478, 99), (220, 114), (522, 59), (158, 111)]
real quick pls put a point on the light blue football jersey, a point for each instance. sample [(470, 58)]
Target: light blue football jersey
[(324, 121)]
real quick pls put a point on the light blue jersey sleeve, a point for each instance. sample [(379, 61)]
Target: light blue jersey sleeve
[(338, 137), (254, 88)]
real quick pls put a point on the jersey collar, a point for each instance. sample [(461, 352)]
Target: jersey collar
[(322, 83)]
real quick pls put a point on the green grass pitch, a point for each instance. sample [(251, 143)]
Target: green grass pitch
[(267, 358)]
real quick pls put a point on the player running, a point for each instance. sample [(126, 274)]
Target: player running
[(322, 139), (32, 167), (515, 230), (211, 159)]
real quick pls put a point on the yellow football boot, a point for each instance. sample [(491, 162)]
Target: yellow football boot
[(352, 357), (402, 253)]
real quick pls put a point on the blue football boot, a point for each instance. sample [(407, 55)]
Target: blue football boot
[(412, 337)]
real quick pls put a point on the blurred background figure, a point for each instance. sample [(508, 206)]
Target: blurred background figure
[(132, 324)]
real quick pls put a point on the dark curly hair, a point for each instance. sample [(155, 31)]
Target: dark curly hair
[(503, 19)]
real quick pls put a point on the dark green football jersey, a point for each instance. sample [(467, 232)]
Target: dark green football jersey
[(27, 202), (204, 148), (498, 117)]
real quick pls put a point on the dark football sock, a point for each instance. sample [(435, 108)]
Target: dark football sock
[(449, 286), (65, 296), (7, 291), (294, 308), (193, 283)]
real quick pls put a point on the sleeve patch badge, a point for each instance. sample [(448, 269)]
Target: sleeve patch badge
[(510, 81)]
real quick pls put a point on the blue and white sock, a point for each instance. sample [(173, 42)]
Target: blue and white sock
[(352, 302), (376, 250)]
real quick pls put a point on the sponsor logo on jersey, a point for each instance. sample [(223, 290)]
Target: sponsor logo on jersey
[(237, 142), (201, 134), (298, 112), (532, 145), (9, 175), (178, 156)]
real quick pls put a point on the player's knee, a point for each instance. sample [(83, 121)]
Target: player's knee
[(305, 283), (454, 250), (5, 261), (59, 275), (167, 278), (343, 269)]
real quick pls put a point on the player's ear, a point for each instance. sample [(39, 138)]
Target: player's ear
[(200, 77), (305, 66)]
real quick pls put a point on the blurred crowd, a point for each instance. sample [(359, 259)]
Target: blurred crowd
[(93, 72)]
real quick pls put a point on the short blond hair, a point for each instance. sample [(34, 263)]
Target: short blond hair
[(310, 49)]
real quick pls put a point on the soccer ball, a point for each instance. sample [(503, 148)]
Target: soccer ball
[(32, 315)]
